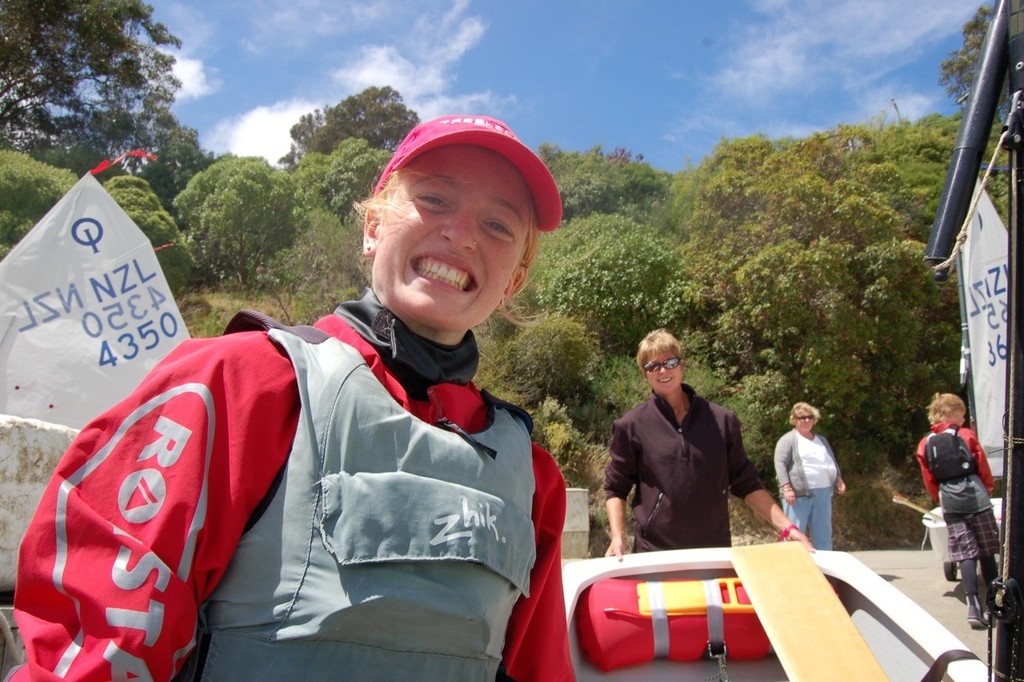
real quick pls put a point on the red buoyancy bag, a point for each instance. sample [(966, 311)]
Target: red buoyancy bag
[(621, 622)]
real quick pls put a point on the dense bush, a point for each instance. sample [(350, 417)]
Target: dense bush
[(28, 189), (337, 180), (580, 460), (550, 358), (321, 269), (239, 213), (611, 273), (143, 206)]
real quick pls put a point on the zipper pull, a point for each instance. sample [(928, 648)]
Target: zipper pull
[(449, 425)]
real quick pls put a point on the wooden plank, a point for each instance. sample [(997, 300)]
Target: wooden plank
[(810, 630)]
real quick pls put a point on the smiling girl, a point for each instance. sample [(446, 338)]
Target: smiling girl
[(325, 502)]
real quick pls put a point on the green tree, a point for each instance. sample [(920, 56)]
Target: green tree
[(176, 148), (142, 205), (178, 158), (550, 358), (958, 71), (610, 273), (802, 279), (595, 182), (919, 154), (322, 268), (68, 67), (28, 190), (239, 213), (337, 180), (376, 115), (79, 157)]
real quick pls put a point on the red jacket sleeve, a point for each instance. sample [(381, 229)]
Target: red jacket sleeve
[(144, 511), (929, 481), (984, 470), (537, 640)]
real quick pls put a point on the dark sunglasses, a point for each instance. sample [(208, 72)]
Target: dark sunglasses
[(804, 418), (671, 363)]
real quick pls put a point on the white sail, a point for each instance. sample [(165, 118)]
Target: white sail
[(85, 311), (984, 279)]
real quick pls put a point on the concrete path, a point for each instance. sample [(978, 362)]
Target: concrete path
[(919, 575)]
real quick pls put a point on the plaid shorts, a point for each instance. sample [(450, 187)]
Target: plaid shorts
[(972, 537)]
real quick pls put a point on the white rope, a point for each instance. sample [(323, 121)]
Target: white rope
[(961, 238), (1011, 437)]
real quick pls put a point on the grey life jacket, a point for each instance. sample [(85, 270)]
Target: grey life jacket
[(392, 549)]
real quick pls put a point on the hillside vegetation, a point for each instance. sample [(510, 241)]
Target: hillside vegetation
[(790, 269)]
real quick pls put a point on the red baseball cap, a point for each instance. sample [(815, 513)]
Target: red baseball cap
[(492, 134)]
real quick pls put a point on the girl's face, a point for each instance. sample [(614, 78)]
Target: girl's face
[(447, 250)]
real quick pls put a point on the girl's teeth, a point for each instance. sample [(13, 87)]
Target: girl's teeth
[(444, 273)]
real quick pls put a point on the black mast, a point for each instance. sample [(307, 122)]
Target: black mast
[(971, 141)]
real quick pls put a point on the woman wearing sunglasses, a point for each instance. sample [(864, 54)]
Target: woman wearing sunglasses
[(683, 455), (809, 475)]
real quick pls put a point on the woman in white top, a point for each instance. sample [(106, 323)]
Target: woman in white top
[(809, 475)]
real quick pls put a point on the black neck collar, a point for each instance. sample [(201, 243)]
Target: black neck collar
[(418, 363)]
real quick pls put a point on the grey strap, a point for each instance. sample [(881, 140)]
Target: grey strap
[(659, 618), (716, 622)]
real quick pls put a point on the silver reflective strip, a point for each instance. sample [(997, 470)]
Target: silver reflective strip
[(659, 619), (716, 623)]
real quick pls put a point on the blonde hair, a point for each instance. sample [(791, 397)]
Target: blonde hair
[(658, 342), (375, 206), (944, 406), (803, 408)]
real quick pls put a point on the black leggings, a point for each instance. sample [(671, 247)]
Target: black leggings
[(969, 573)]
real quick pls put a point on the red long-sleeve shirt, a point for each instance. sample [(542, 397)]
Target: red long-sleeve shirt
[(143, 513)]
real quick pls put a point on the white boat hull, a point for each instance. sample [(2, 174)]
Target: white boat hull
[(904, 638)]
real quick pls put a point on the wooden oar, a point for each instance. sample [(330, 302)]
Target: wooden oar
[(813, 636), (900, 499)]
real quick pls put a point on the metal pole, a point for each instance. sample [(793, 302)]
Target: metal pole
[(1006, 593), (971, 141)]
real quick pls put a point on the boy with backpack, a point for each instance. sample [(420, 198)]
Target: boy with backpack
[(957, 476)]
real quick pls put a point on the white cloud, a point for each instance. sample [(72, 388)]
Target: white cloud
[(264, 131), (422, 68), (800, 45), (418, 62), (447, 104), (384, 65), (196, 32), (195, 82), (296, 23), (894, 102)]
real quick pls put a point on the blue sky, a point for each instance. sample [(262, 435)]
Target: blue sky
[(667, 80)]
